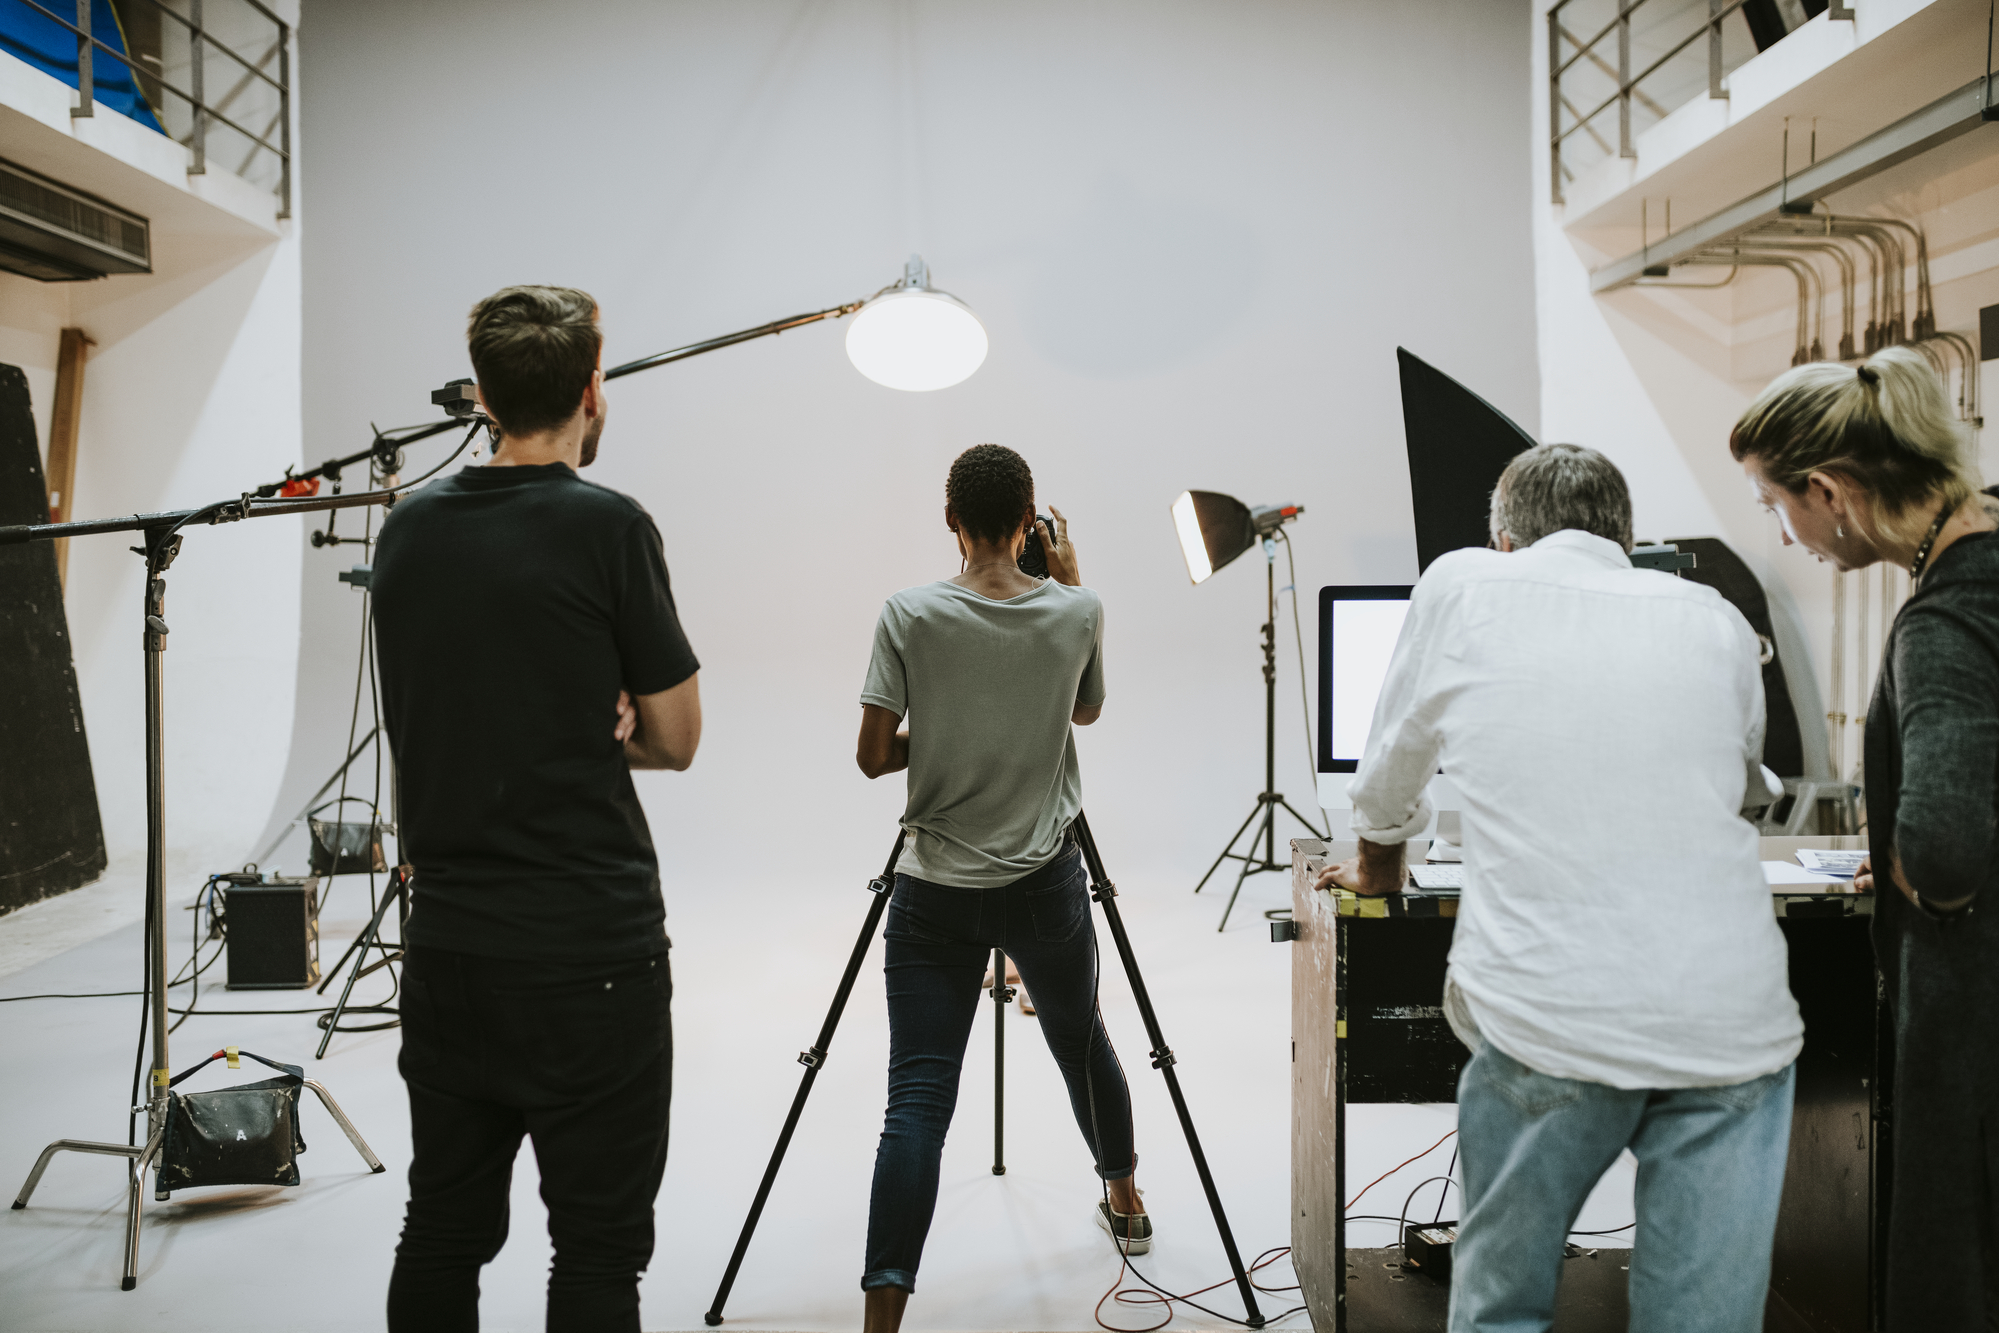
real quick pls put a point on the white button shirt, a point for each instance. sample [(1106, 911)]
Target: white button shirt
[(1603, 724)]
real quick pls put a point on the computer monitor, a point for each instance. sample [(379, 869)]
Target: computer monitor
[(1358, 629)]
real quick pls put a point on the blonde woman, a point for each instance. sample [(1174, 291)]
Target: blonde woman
[(1865, 465)]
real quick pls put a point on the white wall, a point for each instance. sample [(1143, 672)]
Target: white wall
[(1656, 378), (191, 394), (1196, 234)]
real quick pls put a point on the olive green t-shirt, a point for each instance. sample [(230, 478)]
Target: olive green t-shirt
[(988, 688)]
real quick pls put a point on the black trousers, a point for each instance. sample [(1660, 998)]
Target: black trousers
[(577, 1057)]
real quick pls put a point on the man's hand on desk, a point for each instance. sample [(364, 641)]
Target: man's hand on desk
[(1376, 871)]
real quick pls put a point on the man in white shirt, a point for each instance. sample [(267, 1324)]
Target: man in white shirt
[(1616, 969)]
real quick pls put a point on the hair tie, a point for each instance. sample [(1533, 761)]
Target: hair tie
[(1868, 375)]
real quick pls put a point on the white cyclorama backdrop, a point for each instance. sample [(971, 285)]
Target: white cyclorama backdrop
[(1195, 233)]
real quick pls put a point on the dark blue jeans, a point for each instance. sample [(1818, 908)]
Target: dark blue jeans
[(940, 941)]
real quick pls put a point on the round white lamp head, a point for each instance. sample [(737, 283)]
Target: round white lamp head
[(915, 338)]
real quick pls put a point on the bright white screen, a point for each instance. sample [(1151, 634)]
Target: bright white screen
[(1364, 634)]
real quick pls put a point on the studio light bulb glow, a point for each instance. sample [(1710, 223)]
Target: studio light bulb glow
[(917, 340), (1188, 524)]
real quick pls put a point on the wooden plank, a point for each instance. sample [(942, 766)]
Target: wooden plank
[(64, 418), (1316, 1175)]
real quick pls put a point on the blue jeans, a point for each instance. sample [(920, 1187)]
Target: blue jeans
[(940, 941), (1710, 1173)]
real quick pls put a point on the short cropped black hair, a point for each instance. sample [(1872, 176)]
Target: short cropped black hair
[(534, 350), (991, 491)]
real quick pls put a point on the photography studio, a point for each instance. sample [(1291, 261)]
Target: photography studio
[(855, 845)]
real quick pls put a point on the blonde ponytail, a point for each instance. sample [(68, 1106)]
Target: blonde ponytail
[(1886, 428)]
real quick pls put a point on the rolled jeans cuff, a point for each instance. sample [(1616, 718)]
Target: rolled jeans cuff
[(1125, 1174), (888, 1277)]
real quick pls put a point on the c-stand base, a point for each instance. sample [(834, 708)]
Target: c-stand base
[(140, 1159)]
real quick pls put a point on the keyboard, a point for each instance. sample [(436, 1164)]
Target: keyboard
[(1438, 876)]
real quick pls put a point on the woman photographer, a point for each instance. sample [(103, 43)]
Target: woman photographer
[(1863, 466), (992, 666)]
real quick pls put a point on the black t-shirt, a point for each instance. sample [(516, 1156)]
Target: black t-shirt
[(511, 605)]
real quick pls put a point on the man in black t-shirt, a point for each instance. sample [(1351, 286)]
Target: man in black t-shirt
[(530, 658)]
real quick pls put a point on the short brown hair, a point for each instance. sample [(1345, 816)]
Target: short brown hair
[(1885, 427), (991, 491), (534, 350)]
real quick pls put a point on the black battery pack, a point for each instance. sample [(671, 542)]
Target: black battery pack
[(1427, 1249)]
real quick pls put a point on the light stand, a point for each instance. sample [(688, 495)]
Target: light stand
[(161, 535), (1269, 799), (1104, 893), (1214, 529), (924, 319)]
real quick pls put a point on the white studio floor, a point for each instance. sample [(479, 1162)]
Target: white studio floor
[(754, 970)]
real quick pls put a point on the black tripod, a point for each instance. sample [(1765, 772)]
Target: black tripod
[(370, 938), (1270, 798), (814, 1059)]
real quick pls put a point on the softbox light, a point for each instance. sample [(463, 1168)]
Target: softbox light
[(1214, 529)]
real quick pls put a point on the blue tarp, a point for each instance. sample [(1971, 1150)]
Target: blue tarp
[(28, 34)]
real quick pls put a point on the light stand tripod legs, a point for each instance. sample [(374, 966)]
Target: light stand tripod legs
[(368, 938), (1266, 831), (814, 1060), (1229, 847), (1001, 993), (1105, 893), (1269, 801)]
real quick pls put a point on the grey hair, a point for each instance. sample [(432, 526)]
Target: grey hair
[(1555, 486)]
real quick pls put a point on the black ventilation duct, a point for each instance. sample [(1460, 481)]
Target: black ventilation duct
[(51, 232)]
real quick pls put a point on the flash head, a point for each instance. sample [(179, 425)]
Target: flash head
[(458, 398)]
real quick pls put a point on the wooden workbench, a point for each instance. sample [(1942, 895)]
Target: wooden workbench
[(1367, 1025)]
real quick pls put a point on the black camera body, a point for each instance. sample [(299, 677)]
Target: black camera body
[(1034, 560)]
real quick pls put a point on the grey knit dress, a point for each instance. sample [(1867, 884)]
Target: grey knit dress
[(1932, 751)]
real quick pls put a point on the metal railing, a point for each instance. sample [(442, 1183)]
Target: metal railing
[(1655, 70), (172, 45)]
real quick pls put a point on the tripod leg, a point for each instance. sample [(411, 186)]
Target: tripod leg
[(813, 1060), (133, 1193), (1001, 994), (69, 1145), (1250, 867), (334, 971), (1229, 848), (1162, 1060), (375, 1166), (1327, 836), (367, 936)]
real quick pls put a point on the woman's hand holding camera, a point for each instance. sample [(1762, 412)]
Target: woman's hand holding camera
[(1058, 551)]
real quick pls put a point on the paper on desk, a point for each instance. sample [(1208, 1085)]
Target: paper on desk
[(1783, 872), (1843, 864)]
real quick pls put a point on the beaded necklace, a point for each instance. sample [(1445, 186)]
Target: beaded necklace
[(1922, 560)]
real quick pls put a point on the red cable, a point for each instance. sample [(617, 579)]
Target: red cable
[(1386, 1174)]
